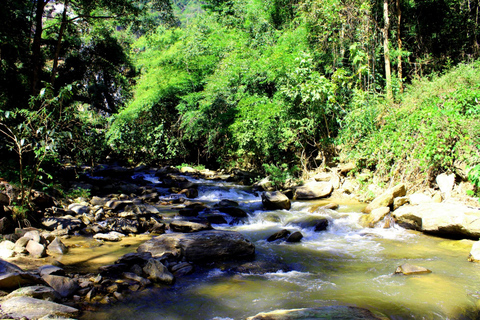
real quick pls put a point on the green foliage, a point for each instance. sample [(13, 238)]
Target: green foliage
[(436, 124), (474, 178), (196, 167), (77, 193), (279, 174)]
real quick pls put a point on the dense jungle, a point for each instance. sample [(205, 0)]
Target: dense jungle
[(258, 122)]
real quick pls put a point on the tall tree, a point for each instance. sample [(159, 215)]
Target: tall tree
[(386, 50)]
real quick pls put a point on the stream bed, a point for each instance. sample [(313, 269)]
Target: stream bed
[(344, 265)]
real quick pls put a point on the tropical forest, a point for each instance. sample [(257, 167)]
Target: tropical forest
[(240, 159)]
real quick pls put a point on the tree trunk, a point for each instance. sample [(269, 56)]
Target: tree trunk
[(59, 43), (399, 43), (386, 51), (37, 45)]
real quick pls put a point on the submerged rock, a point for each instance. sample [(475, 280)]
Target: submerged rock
[(409, 269), (329, 312)]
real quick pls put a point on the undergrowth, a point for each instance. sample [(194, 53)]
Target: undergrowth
[(432, 128)]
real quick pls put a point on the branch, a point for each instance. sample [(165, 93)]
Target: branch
[(86, 17)]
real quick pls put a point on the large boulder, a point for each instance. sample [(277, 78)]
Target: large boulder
[(443, 219), (12, 277), (31, 308), (65, 286), (275, 201), (313, 190), (188, 226), (369, 220), (211, 245), (328, 312), (386, 198)]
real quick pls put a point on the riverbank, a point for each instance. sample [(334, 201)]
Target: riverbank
[(162, 200)]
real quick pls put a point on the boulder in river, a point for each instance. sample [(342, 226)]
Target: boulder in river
[(313, 190), (410, 269), (275, 201), (188, 226), (328, 312), (211, 245), (443, 219), (474, 255), (282, 234), (386, 198), (31, 308)]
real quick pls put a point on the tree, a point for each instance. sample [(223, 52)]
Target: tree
[(386, 50)]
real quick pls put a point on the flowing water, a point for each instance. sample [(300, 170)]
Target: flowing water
[(344, 265)]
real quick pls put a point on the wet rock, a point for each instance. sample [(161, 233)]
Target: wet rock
[(260, 267), (442, 219), (315, 222), (313, 190), (36, 249), (117, 205), (57, 247), (132, 276), (227, 203), (233, 211), (275, 201), (369, 220), (329, 312), (32, 308), (215, 218), (111, 236), (157, 272), (211, 245), (37, 292), (135, 258), (187, 226), (282, 234), (386, 198), (409, 269), (65, 286), (295, 237), (50, 270), (182, 269)]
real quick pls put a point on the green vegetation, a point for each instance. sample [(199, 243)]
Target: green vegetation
[(268, 85)]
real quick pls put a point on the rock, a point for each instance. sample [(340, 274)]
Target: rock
[(409, 269), (50, 270), (32, 308), (66, 222), (78, 208), (12, 277), (282, 234), (386, 198), (275, 201), (295, 237), (97, 201), (313, 190), (37, 292), (182, 269), (132, 276), (65, 286), (323, 176), (117, 205), (418, 198), (4, 199), (445, 183), (475, 252), (187, 226), (442, 219), (57, 247), (227, 203), (36, 249), (20, 245), (111, 236), (318, 223), (7, 249), (191, 193), (211, 245), (157, 272), (260, 267), (329, 312), (346, 168), (369, 220), (34, 235), (400, 201), (234, 212)]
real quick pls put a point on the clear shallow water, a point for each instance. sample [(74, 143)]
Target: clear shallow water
[(345, 265)]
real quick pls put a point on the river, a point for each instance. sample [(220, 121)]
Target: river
[(344, 265)]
